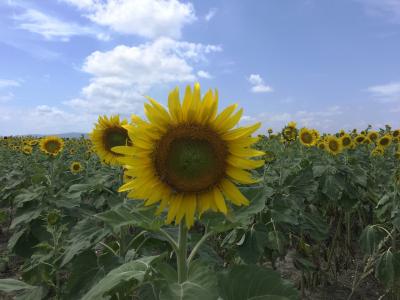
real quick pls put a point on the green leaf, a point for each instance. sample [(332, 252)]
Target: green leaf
[(385, 268), (134, 271), (201, 284), (256, 196), (370, 239), (254, 243), (252, 282), (129, 214), (315, 226), (26, 217), (12, 285), (84, 235)]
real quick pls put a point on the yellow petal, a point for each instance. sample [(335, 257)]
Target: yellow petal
[(244, 163), (244, 152), (191, 202), (174, 106), (174, 204), (239, 175), (241, 132), (204, 201), (230, 122), (219, 201), (187, 100), (233, 193), (223, 116)]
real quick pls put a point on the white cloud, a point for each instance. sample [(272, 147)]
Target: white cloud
[(258, 85), (389, 9), (4, 83), (211, 14), (121, 76), (147, 18), (204, 74), (52, 28), (389, 92), (6, 97)]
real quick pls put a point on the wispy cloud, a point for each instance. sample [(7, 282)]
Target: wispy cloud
[(389, 92), (258, 85), (389, 9), (8, 83), (204, 74), (211, 14), (52, 28)]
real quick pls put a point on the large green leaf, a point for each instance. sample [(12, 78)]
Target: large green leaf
[(247, 282), (370, 239), (255, 241), (11, 285), (133, 271), (201, 284)]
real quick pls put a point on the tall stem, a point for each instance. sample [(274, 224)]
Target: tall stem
[(181, 253)]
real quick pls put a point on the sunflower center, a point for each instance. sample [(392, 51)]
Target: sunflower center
[(76, 167), (307, 138), (190, 158), (333, 145), (52, 146), (116, 136)]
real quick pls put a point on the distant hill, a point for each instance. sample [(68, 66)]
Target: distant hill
[(62, 135)]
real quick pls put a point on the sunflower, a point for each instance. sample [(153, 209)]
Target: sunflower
[(373, 135), (359, 138), (27, 149), (367, 141), (396, 133), (189, 158), (76, 167), (316, 134), (108, 133), (321, 145), (333, 145), (270, 130), (289, 132), (378, 151), (346, 140), (32, 142), (385, 140), (307, 137), (51, 145), (397, 154), (341, 133)]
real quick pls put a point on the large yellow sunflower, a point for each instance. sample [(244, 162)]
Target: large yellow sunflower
[(396, 133), (189, 158), (27, 149), (333, 145), (108, 133), (359, 139), (307, 137), (373, 135), (385, 141), (51, 145)]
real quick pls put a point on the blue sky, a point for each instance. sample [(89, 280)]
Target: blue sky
[(325, 64)]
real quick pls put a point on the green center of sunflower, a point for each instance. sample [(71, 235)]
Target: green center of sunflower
[(333, 145), (190, 158), (116, 136), (306, 137), (52, 146)]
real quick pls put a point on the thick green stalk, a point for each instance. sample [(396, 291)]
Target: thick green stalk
[(181, 253)]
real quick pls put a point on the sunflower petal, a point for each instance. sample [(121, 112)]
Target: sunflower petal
[(233, 193)]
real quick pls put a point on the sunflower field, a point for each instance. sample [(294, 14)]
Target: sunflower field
[(185, 204)]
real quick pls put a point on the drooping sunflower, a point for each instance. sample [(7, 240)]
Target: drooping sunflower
[(333, 145), (307, 137), (188, 157), (385, 141), (373, 135), (26, 149), (51, 145), (109, 133), (76, 167), (289, 132), (346, 140)]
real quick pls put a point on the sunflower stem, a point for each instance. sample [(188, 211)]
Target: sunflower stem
[(181, 253)]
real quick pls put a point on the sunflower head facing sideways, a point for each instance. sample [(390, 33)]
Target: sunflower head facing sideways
[(333, 145), (385, 141), (26, 149), (109, 133), (307, 137), (289, 132), (51, 145), (76, 167), (189, 158)]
